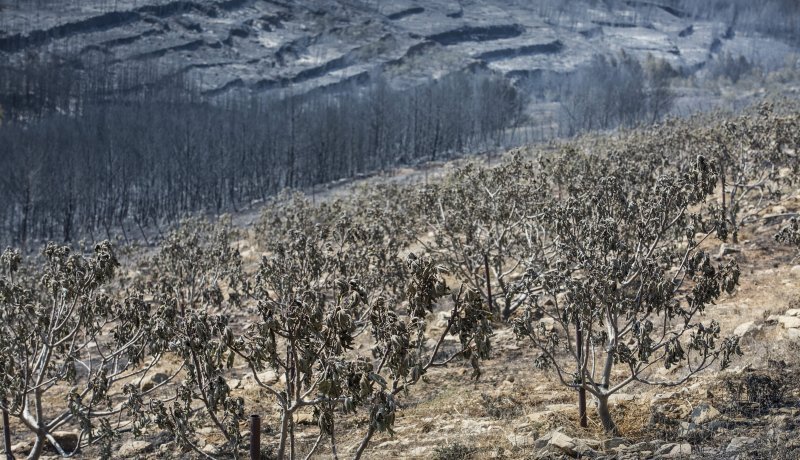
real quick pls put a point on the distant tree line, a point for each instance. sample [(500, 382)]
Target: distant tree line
[(135, 162), (778, 18), (606, 93)]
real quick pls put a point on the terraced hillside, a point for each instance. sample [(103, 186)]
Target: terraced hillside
[(229, 46)]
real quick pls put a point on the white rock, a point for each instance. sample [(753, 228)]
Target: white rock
[(562, 442), (789, 322), (133, 448), (793, 334), (747, 328), (726, 249), (793, 311), (268, 377)]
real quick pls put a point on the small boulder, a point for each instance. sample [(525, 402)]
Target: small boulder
[(747, 328), (303, 418), (268, 377), (739, 444), (704, 413), (675, 450), (558, 442), (726, 249), (789, 322), (133, 448)]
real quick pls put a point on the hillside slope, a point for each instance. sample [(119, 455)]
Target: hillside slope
[(228, 46)]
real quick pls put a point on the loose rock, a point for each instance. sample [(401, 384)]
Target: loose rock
[(675, 450), (704, 413), (747, 328), (789, 322), (739, 443), (133, 448), (726, 249)]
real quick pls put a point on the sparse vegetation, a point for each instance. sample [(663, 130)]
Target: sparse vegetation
[(601, 260), (167, 282)]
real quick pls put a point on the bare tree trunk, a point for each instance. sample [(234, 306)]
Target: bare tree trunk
[(7, 435), (364, 442), (285, 417), (582, 390), (605, 415)]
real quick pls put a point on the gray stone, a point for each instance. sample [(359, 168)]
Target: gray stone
[(639, 447), (133, 448), (686, 430), (781, 421), (726, 249), (675, 450), (560, 443), (704, 413), (747, 328), (739, 443), (615, 443)]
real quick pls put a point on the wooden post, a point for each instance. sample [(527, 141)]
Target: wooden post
[(255, 437)]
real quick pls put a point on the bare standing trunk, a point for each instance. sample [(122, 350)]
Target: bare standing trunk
[(7, 436), (284, 432), (604, 413), (582, 389)]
